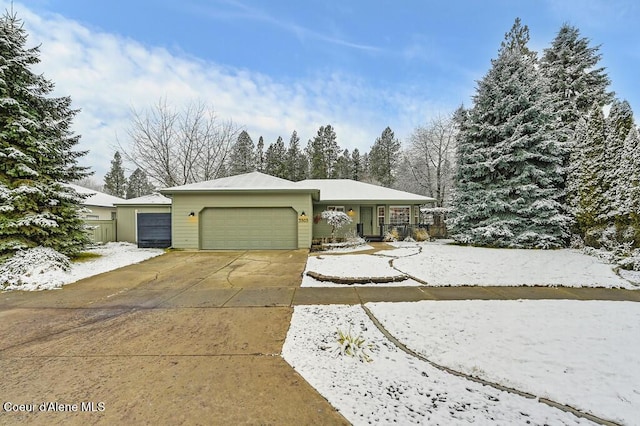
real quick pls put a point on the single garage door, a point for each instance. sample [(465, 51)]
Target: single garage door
[(249, 228), (154, 230)]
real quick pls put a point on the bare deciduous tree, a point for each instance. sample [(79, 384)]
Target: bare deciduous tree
[(431, 157), (179, 147)]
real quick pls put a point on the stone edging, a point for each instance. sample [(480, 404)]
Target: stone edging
[(357, 280)]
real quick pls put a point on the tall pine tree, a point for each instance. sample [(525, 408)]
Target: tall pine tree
[(260, 155), (36, 154), (323, 152), (114, 181), (275, 161), (138, 184), (509, 161), (344, 168), (576, 83), (383, 158), (297, 164), (242, 155), (571, 67)]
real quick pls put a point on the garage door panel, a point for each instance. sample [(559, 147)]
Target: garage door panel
[(154, 230), (248, 228)]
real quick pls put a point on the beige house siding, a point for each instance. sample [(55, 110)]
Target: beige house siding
[(185, 228), (102, 213), (127, 220)]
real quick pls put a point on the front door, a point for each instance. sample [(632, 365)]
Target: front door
[(366, 217)]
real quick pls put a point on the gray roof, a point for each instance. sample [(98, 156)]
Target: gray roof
[(330, 190), (95, 198), (151, 199), (254, 181), (347, 190)]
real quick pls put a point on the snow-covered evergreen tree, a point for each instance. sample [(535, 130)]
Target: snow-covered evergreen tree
[(576, 83), (571, 67), (36, 154), (383, 158), (138, 184), (275, 159), (242, 155), (508, 157), (297, 165), (114, 181)]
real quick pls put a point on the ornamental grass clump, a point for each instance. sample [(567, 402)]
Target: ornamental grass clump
[(352, 345), (420, 234), (391, 236)]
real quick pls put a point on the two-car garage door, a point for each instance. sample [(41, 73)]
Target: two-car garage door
[(248, 228)]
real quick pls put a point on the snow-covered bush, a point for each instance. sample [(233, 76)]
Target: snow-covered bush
[(353, 239), (336, 219), (353, 345), (26, 265), (391, 236)]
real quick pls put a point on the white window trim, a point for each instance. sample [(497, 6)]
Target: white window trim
[(336, 208), (381, 216)]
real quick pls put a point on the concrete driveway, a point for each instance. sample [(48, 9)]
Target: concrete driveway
[(184, 338)]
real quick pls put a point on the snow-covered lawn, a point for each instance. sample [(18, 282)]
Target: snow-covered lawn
[(441, 264), (396, 387), (585, 354), (112, 256)]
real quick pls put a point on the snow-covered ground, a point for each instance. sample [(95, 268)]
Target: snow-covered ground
[(396, 387), (585, 354), (112, 256), (441, 264), (351, 266)]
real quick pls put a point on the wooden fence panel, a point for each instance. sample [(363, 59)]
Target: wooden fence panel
[(102, 231)]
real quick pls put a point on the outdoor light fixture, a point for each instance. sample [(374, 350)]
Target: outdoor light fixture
[(192, 214), (303, 214), (351, 212)]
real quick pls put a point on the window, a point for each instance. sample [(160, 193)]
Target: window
[(113, 215), (336, 208), (416, 214), (92, 217), (399, 215), (381, 215)]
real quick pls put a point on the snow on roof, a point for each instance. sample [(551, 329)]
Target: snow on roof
[(344, 190), (244, 182), (95, 198), (155, 198)]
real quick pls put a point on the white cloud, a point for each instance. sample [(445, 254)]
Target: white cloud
[(106, 75)]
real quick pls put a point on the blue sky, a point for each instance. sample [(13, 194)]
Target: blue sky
[(278, 66)]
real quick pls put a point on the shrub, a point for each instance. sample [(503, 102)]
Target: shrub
[(420, 234), (353, 239), (18, 269), (391, 235)]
